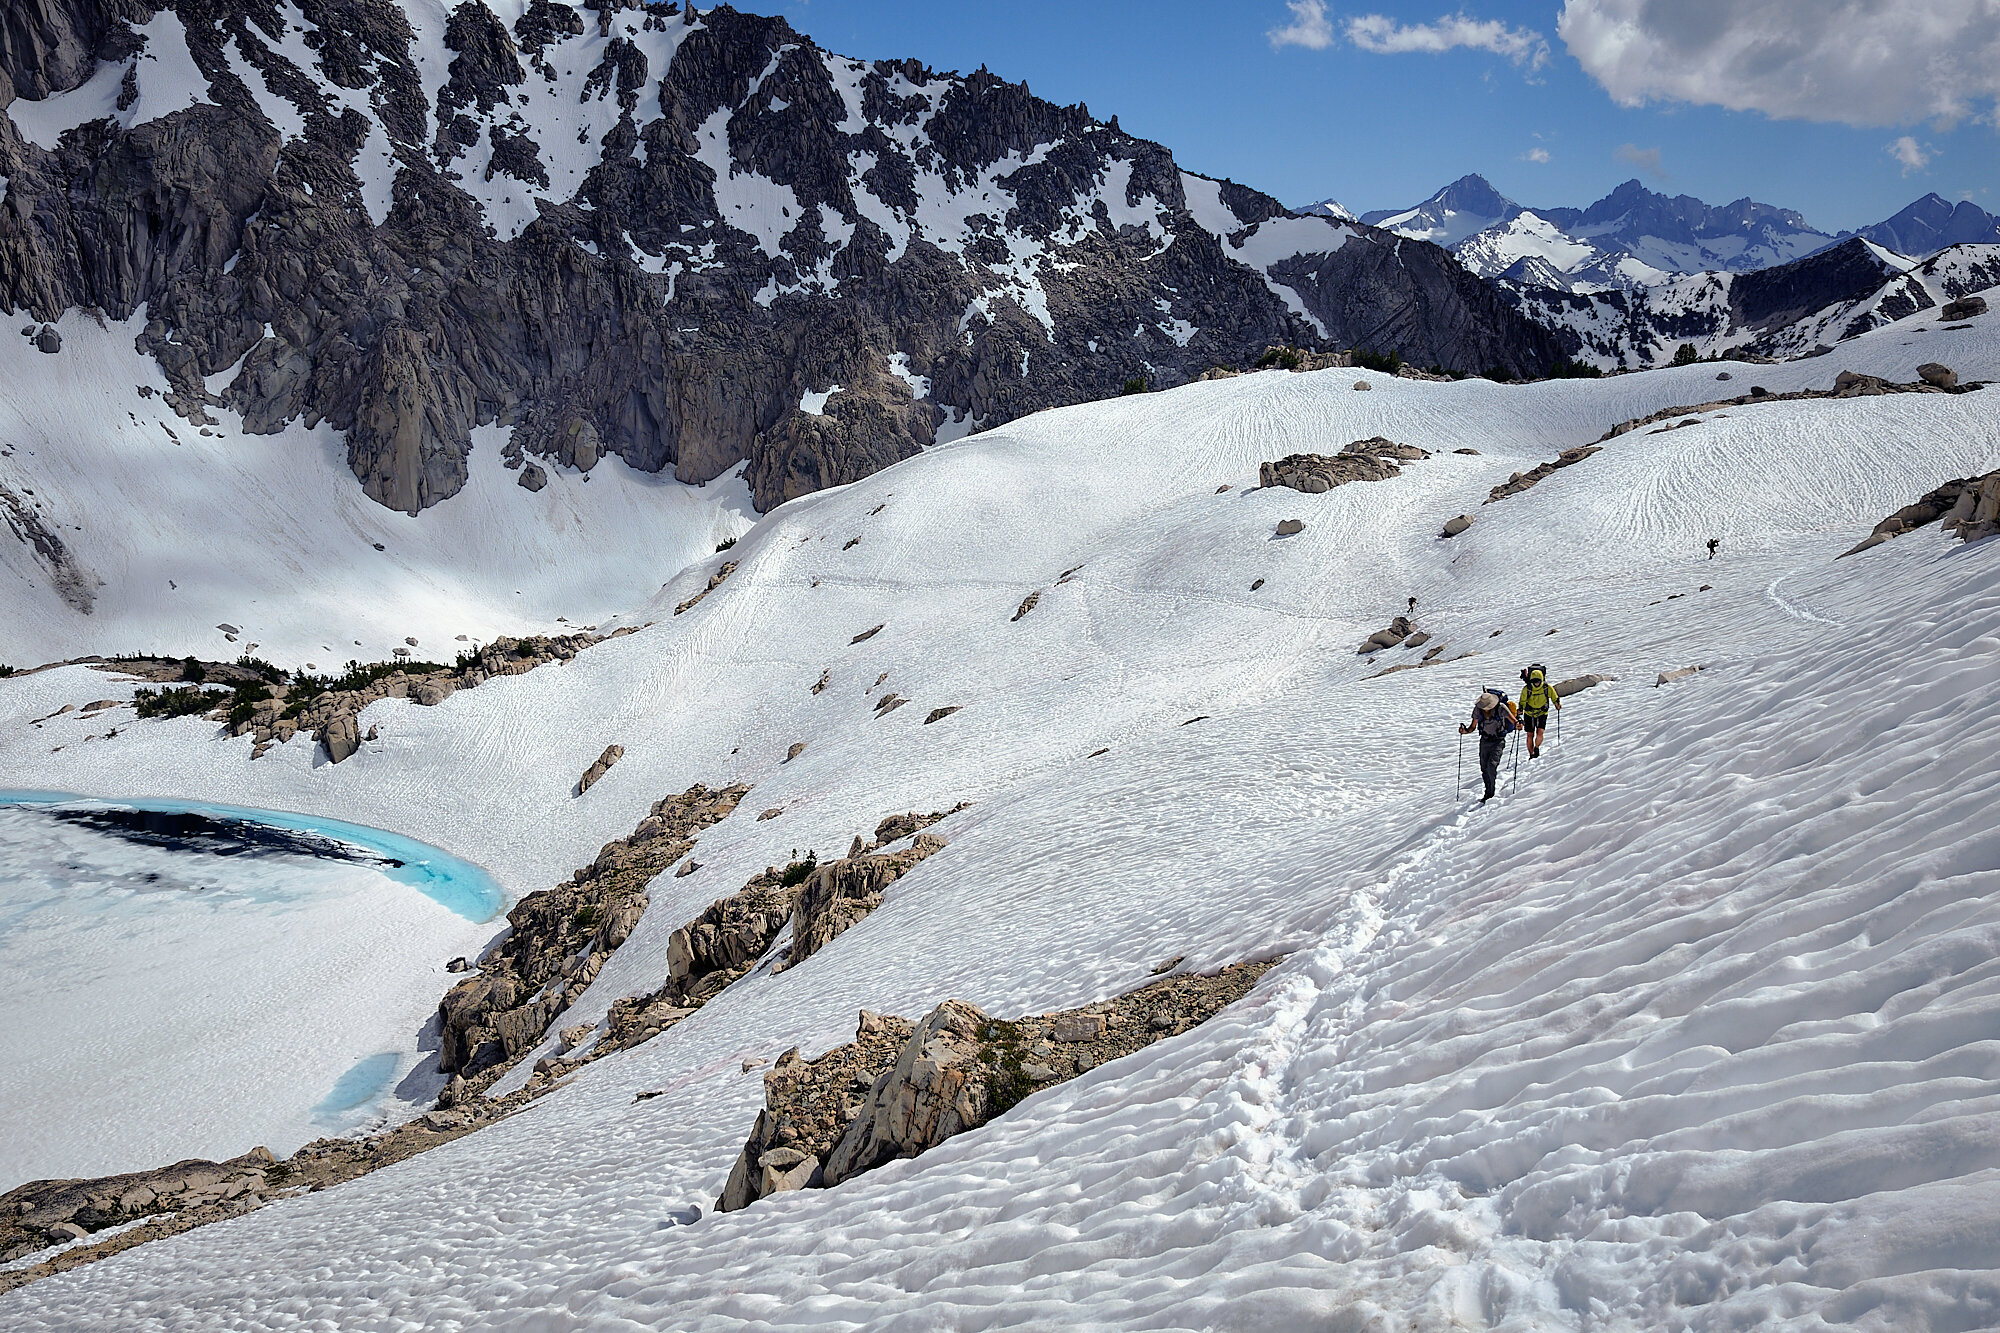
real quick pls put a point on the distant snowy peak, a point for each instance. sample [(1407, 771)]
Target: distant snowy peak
[(1933, 223), (1631, 237), (1461, 210), (1331, 208)]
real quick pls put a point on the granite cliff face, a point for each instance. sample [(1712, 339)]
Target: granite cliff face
[(690, 239)]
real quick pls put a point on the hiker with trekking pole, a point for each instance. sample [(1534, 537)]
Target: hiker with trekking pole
[(1537, 698), (1493, 718)]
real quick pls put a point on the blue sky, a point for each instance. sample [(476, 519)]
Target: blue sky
[(1347, 108)]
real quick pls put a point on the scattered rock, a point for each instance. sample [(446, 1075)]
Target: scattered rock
[(889, 703), (1943, 376), (1668, 677), (772, 813), (1028, 604), (1362, 386), (1223, 487), (940, 714), (1578, 684), (459, 964), (573, 1037), (612, 754), (48, 340), (1290, 527), (1523, 481), (1455, 526), (1724, 375), (1473, 452), (867, 634), (1258, 584), (532, 477), (825, 679), (687, 868), (1419, 639), (1964, 308)]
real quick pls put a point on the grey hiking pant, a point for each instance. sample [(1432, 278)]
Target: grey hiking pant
[(1491, 748)]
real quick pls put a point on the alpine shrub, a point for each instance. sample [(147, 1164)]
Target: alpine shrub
[(798, 872), (192, 670), (1687, 355), (1386, 362), (725, 545), (275, 675), (181, 702), (1132, 386)]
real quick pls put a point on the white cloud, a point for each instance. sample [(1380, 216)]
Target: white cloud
[(1859, 62), (1912, 155), (1309, 27), (1535, 155), (1646, 159), (1384, 36)]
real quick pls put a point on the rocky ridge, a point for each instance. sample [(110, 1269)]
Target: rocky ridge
[(560, 937), (1847, 384), (900, 1088), (688, 239)]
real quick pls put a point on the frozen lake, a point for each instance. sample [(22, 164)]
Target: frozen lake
[(193, 980)]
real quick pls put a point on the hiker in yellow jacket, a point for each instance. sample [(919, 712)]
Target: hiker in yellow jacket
[(1537, 697)]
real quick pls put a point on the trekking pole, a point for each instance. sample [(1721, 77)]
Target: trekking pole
[(1458, 786), (1517, 759)]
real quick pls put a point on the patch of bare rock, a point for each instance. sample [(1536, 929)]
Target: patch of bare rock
[(1969, 506), (562, 936), (1525, 481), (1373, 459), (715, 581), (612, 754), (900, 1088)]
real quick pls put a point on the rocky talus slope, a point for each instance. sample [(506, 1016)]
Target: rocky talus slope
[(900, 1088), (687, 239), (1969, 506)]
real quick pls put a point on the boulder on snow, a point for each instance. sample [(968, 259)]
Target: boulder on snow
[(612, 754), (1963, 308), (532, 477), (1938, 375), (1668, 677), (1399, 629), (1578, 684), (1290, 527), (48, 340), (1455, 526), (798, 748), (1362, 386)]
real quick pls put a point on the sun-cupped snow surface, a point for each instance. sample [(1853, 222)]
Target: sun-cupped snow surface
[(1692, 1028), (177, 530)]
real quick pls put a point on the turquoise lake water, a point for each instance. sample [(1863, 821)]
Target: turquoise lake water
[(453, 883)]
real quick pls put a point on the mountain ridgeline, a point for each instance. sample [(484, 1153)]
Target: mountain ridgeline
[(691, 239)]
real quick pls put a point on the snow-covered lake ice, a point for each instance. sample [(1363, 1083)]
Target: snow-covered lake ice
[(210, 978)]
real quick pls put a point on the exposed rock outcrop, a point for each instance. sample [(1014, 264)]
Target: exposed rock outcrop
[(901, 1088), (1969, 506), (561, 936), (841, 893), (1966, 307), (1400, 630), (1847, 384), (1526, 481), (715, 581), (1375, 459)]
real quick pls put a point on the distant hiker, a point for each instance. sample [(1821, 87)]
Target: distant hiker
[(1413, 604), (1537, 697), (1713, 542), (1493, 719)]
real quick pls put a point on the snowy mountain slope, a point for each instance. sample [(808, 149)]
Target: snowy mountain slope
[(1797, 309), (171, 531), (1690, 1031), (1934, 223), (1462, 209), (644, 232)]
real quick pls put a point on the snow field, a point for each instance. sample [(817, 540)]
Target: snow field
[(271, 533), (1690, 1030)]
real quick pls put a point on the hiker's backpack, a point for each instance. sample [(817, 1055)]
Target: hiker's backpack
[(1537, 697), (1500, 721)]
